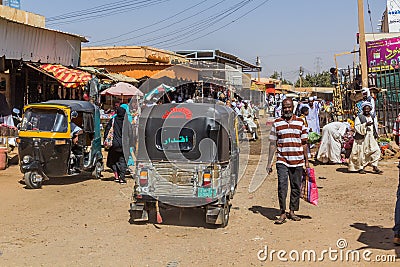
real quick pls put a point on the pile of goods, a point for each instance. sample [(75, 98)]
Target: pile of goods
[(388, 147)]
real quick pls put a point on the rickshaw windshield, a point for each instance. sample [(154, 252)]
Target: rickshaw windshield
[(46, 120)]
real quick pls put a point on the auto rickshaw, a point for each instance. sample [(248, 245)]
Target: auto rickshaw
[(188, 156), (46, 148)]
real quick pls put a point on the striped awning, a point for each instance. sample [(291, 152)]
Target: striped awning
[(69, 78)]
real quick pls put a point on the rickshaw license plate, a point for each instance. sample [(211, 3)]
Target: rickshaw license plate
[(205, 192)]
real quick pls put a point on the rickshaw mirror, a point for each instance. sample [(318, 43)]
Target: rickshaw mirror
[(74, 114), (16, 111)]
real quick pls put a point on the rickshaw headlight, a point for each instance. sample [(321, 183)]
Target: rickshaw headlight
[(26, 159)]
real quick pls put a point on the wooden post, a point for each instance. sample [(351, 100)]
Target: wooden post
[(363, 47)]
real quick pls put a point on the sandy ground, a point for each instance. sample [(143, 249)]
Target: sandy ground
[(84, 222)]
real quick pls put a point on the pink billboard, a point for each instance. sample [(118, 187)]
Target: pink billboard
[(383, 54)]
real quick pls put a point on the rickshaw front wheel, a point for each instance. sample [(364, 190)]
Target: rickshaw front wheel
[(33, 180)]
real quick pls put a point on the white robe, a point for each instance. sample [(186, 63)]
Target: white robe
[(331, 143), (313, 118), (249, 120), (365, 151)]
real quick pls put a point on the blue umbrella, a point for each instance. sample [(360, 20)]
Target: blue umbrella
[(162, 88)]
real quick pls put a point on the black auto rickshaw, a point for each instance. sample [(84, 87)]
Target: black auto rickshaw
[(188, 156), (46, 146)]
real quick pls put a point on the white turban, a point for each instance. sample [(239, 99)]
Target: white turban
[(365, 90), (315, 97), (366, 103), (311, 98)]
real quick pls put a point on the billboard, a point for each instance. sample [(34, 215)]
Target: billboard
[(393, 11), (12, 3), (383, 54)]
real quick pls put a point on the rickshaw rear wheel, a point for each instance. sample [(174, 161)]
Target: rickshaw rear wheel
[(98, 167), (30, 180), (225, 214)]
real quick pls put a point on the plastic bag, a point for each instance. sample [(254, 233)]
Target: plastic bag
[(309, 189), (313, 137), (110, 136)]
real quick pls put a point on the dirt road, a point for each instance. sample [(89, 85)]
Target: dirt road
[(80, 222)]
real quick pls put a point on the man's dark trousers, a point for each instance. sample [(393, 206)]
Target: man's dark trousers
[(396, 227), (294, 174)]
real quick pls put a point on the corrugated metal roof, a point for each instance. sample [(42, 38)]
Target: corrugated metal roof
[(29, 43), (80, 37)]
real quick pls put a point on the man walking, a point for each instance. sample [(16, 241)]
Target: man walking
[(288, 138), (313, 115), (366, 150)]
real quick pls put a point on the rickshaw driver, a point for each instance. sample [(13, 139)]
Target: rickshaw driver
[(76, 150), (75, 132)]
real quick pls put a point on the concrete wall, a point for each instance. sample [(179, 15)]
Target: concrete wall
[(22, 16), (125, 55)]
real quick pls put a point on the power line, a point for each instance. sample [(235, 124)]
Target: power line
[(164, 27), (84, 12), (370, 19), (206, 24), (108, 12), (192, 28), (223, 26), (156, 23)]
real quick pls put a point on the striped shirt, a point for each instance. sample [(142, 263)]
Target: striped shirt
[(290, 137)]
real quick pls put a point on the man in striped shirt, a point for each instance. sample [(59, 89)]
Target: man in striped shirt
[(288, 138)]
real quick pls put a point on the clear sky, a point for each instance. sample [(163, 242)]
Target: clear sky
[(286, 34)]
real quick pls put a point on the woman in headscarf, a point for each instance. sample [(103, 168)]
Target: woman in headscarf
[(131, 134), (5, 112), (115, 157), (366, 150)]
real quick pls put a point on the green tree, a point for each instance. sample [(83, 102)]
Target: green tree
[(277, 76), (322, 79)]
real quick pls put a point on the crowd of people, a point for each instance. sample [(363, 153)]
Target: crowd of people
[(289, 140)]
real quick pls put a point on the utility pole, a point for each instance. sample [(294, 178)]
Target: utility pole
[(258, 64), (318, 65), (363, 47), (301, 72)]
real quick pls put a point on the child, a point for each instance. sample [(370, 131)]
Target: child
[(303, 115)]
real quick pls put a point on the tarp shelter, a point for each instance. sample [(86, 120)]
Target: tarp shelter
[(69, 78), (122, 89)]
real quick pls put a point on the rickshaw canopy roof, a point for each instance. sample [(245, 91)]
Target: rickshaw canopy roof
[(76, 105)]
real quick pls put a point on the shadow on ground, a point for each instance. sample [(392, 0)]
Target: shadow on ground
[(343, 170), (376, 237), (188, 217), (272, 213)]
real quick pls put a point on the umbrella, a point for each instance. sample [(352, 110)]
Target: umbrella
[(162, 88), (122, 89)]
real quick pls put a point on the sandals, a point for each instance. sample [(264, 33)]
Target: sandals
[(294, 217), (362, 171), (280, 221), (377, 171)]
